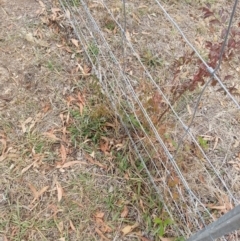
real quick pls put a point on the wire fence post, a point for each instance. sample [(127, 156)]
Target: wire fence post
[(227, 223)]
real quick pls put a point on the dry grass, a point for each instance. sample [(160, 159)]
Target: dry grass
[(67, 168), (159, 46), (65, 163)]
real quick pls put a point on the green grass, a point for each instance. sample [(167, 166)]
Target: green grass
[(150, 59), (50, 65), (92, 126), (110, 25), (73, 3), (88, 126), (203, 143), (161, 225), (93, 51)]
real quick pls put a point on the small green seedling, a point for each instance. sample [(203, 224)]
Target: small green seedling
[(203, 143), (110, 25), (151, 60), (93, 50), (180, 239), (50, 65), (162, 225)]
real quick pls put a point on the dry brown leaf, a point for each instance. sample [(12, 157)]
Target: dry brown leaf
[(70, 99), (39, 193), (59, 191), (136, 18), (45, 20), (111, 125), (64, 132), (175, 195), (75, 42), (215, 142), (63, 153), (87, 69), (101, 234), (23, 124), (54, 210), (51, 136), (80, 108), (236, 144), (92, 154), (124, 212), (91, 160), (227, 203), (62, 118), (174, 181), (128, 229), (101, 224), (105, 228), (55, 10), (81, 98), (42, 4), (104, 146), (67, 49), (189, 110), (126, 176), (4, 143), (217, 207), (167, 239), (60, 226), (99, 215), (43, 190), (69, 164), (72, 226), (81, 102), (46, 107), (28, 167), (79, 204), (224, 204), (144, 239), (142, 206), (29, 37), (67, 12), (128, 36), (34, 190), (41, 42)]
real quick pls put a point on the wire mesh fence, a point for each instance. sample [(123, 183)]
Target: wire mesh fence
[(175, 89)]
